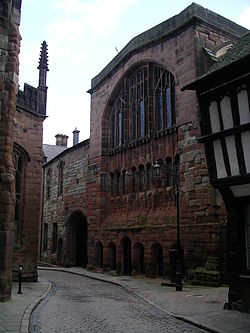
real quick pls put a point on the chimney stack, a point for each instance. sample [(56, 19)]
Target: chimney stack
[(75, 136), (62, 140)]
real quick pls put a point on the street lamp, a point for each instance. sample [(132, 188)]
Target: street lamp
[(20, 280), (158, 172)]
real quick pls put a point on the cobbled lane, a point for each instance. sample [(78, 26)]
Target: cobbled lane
[(81, 304)]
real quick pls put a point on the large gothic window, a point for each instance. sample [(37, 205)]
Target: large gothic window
[(117, 120), (164, 96), (144, 105)]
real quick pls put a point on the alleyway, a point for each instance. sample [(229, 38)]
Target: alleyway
[(80, 304)]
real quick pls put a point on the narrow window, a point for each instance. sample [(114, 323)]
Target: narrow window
[(113, 131), (159, 110), (168, 107), (60, 179), (134, 121), (54, 238), (142, 119), (119, 129)]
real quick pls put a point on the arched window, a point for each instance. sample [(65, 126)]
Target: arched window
[(134, 131), (145, 104), (159, 109), (119, 128), (113, 130), (164, 98), (142, 118)]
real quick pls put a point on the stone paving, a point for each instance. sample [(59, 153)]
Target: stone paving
[(80, 304), (15, 314), (195, 304)]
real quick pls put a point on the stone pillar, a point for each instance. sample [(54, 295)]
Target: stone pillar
[(9, 50)]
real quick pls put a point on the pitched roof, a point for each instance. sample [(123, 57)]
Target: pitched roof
[(162, 31), (238, 52), (51, 151)]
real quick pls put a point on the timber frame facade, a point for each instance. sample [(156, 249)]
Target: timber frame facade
[(224, 98)]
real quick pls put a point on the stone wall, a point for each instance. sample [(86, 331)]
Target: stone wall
[(58, 208), (9, 50), (28, 135), (149, 217)]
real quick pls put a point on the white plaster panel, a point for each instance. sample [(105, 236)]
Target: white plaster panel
[(214, 117), (219, 160), (232, 155), (243, 104), (226, 112), (245, 139)]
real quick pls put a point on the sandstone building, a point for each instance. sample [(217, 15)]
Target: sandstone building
[(110, 202), (21, 123), (9, 47)]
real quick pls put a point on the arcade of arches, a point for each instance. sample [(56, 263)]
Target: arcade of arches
[(128, 258)]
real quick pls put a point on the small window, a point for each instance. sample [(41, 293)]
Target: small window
[(60, 178)]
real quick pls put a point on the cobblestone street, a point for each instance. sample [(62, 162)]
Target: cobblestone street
[(80, 304)]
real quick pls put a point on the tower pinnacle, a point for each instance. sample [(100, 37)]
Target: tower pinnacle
[(43, 61), (42, 87)]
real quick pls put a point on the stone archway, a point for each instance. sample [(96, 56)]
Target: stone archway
[(138, 258), (99, 255), (157, 257), (126, 262), (111, 257), (59, 254), (77, 239)]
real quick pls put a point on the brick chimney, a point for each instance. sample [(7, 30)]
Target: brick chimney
[(62, 140), (75, 136)]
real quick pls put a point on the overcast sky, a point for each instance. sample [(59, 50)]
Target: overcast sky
[(83, 36)]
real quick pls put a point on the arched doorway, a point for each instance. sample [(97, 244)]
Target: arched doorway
[(138, 258), (59, 256), (111, 260), (99, 255), (157, 253), (126, 264), (77, 240)]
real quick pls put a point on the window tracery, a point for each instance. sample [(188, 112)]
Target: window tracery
[(149, 96)]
